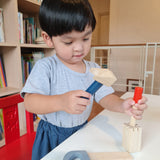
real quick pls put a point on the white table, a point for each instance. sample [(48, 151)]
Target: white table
[(104, 134)]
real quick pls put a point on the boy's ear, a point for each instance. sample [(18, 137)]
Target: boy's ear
[(47, 39)]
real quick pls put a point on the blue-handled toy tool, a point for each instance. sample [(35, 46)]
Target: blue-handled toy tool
[(93, 88), (101, 77)]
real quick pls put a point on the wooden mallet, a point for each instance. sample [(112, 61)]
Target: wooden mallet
[(132, 133), (102, 77)]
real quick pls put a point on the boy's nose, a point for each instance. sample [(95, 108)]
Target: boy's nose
[(78, 47)]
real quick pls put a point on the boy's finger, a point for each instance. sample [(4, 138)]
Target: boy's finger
[(141, 107), (143, 100)]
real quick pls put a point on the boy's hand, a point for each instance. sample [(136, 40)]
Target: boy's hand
[(140, 107), (73, 103)]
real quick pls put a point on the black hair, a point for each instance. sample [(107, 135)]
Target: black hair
[(58, 17)]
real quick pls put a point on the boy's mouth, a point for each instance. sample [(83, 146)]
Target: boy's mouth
[(78, 55)]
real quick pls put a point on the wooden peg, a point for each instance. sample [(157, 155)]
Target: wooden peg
[(132, 133)]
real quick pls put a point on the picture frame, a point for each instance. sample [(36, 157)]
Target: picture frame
[(132, 83)]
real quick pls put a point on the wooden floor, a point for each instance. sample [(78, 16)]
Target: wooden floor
[(97, 108)]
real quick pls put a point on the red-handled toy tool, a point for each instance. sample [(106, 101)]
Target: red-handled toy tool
[(137, 94), (132, 133)]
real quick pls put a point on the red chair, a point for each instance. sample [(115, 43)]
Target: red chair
[(16, 147)]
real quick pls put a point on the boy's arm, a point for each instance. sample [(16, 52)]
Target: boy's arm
[(112, 103), (70, 102), (116, 104), (41, 104)]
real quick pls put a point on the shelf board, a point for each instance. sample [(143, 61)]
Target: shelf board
[(8, 91), (33, 46), (6, 44), (29, 6)]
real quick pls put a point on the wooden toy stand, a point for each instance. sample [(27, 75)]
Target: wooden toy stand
[(16, 147)]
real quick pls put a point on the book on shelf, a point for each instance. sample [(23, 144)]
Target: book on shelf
[(39, 0), (3, 81), (30, 30), (20, 27), (1, 26), (28, 61)]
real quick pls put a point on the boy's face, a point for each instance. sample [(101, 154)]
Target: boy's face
[(72, 47)]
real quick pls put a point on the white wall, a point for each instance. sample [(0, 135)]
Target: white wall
[(133, 22)]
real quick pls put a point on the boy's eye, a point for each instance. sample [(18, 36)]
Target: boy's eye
[(67, 43), (85, 39)]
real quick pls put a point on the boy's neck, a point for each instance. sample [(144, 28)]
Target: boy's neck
[(77, 67)]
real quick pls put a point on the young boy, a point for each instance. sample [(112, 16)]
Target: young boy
[(56, 85)]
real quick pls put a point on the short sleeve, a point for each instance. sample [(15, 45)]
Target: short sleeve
[(102, 92), (38, 80)]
